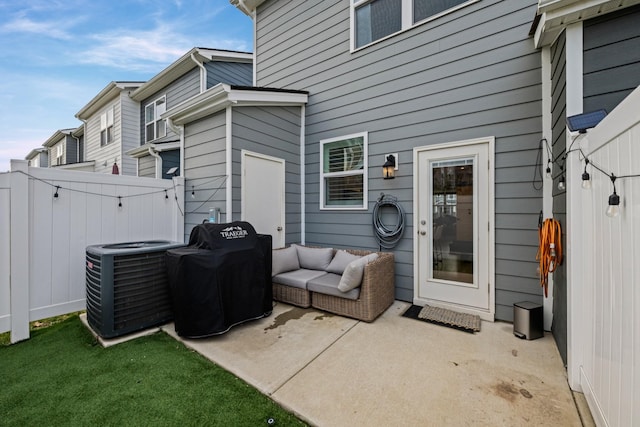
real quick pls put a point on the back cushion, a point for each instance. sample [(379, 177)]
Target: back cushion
[(340, 262), (314, 258), (284, 260)]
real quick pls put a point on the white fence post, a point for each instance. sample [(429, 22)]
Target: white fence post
[(19, 265)]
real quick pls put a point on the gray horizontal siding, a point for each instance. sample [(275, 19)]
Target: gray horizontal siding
[(273, 131), (233, 73), (204, 165), (71, 150), (469, 74), (611, 58), (130, 129), (147, 166)]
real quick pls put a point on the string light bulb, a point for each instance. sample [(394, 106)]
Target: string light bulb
[(119, 201), (613, 210), (193, 192), (548, 171), (586, 178), (562, 185), (166, 195), (55, 196)]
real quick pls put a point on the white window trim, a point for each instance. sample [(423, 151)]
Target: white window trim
[(156, 118), (105, 124), (364, 173), (407, 20)]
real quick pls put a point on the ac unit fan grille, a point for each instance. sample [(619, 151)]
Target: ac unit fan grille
[(93, 268), (140, 290)]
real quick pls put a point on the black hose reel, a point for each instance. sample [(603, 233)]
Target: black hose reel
[(388, 236)]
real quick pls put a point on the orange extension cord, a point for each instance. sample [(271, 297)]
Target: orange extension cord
[(549, 250)]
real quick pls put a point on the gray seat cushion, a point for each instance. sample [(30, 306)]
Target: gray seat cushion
[(328, 285), (297, 278)]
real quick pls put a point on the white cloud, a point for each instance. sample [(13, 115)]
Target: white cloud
[(25, 25), (146, 51)]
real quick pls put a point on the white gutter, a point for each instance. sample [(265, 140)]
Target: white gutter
[(178, 130), (203, 73), (155, 154)]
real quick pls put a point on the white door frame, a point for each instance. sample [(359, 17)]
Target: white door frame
[(279, 240), (490, 141)]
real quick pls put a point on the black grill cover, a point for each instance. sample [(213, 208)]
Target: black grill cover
[(221, 279)]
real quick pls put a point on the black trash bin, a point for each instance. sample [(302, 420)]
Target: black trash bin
[(222, 279)]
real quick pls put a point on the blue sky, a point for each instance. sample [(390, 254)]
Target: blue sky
[(56, 55)]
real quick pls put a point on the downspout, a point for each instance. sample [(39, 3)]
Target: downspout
[(178, 130), (154, 153), (203, 73)]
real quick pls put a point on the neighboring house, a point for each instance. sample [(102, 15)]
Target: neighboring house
[(38, 158), (199, 69), (111, 128), (65, 149)]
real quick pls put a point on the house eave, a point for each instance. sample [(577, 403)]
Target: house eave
[(222, 95), (247, 6), (184, 65), (33, 153), (57, 136), (106, 95), (143, 150), (553, 16)]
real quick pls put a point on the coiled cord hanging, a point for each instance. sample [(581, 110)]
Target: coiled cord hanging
[(549, 250), (388, 237)]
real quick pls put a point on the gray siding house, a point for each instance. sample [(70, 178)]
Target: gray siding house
[(38, 158), (454, 92), (199, 69), (591, 61), (65, 149), (111, 128)]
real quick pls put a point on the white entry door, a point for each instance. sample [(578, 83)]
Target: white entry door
[(454, 255), (263, 202)]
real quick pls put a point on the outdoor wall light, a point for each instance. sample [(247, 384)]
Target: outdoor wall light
[(389, 167)]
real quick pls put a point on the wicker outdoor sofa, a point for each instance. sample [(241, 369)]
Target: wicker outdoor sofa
[(313, 282)]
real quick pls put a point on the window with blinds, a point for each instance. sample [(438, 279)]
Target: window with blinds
[(343, 169), (374, 20)]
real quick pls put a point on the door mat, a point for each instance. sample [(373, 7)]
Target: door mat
[(444, 317)]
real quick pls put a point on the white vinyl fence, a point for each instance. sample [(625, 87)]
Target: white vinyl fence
[(43, 238), (604, 269)]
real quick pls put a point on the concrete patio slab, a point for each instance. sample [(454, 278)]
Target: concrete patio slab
[(266, 353), (399, 371), (334, 371)]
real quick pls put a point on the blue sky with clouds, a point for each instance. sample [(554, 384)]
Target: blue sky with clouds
[(56, 55)]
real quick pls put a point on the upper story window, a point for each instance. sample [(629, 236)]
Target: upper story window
[(155, 127), (59, 154), (343, 172), (373, 20), (106, 127)]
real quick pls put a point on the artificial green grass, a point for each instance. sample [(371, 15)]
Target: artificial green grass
[(62, 376)]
